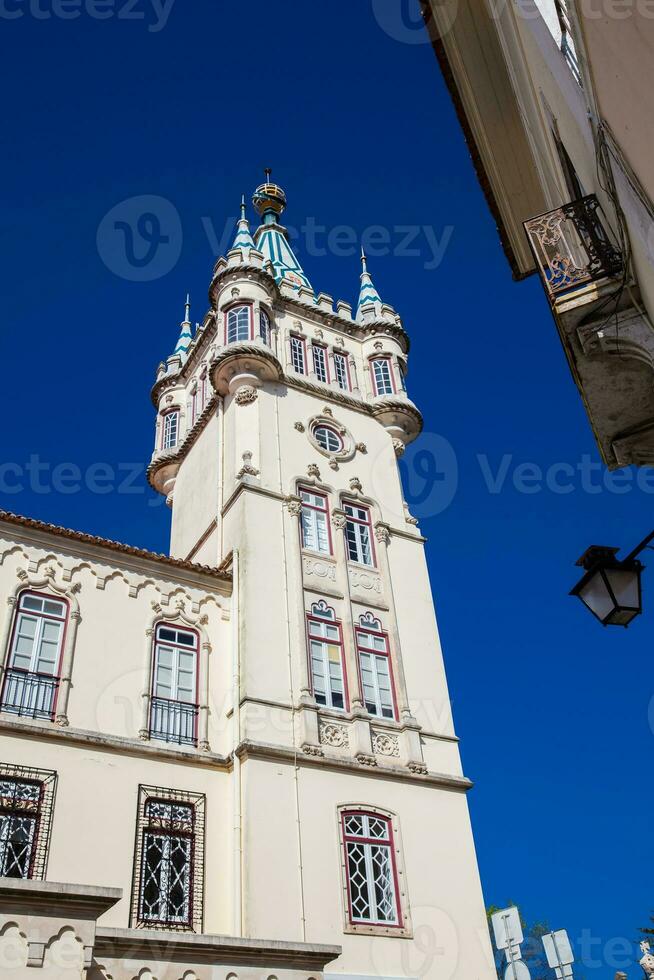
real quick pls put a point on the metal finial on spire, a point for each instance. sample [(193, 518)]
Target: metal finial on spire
[(242, 206), (187, 309), (364, 260), (268, 173)]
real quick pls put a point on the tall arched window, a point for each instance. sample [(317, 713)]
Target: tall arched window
[(238, 324), (33, 665), (174, 701), (264, 327), (170, 431), (326, 657), (370, 864)]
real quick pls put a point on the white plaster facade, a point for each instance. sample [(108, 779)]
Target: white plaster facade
[(271, 770), (553, 96)]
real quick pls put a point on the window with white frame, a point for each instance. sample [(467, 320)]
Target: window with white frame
[(320, 362), (326, 656), (238, 323), (375, 668), (382, 377), (31, 676), (298, 359), (26, 802), (342, 371), (373, 896), (314, 523), (170, 432), (169, 860), (203, 390), (327, 438), (174, 702), (264, 327), (194, 405), (358, 534)]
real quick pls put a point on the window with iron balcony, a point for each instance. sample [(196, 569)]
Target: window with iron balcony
[(174, 700), (33, 662)]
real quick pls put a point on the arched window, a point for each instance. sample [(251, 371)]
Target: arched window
[(33, 665), (371, 878), (264, 327), (238, 324), (328, 439), (326, 657), (342, 370), (382, 376), (170, 430), (174, 701)]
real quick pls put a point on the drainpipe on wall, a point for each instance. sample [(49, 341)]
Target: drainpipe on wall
[(237, 869)]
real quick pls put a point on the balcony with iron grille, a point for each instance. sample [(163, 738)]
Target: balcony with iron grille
[(173, 721), (28, 694)]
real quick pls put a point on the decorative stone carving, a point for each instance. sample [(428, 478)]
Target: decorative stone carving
[(398, 447), (312, 750), (313, 470), (328, 412), (299, 426), (236, 292), (355, 485), (407, 515), (333, 462), (366, 760), (647, 962), (382, 532), (247, 469), (419, 768), (245, 395), (293, 505), (320, 569), (337, 736), (361, 447), (319, 334), (378, 345), (339, 342), (339, 519), (384, 743), (369, 581)]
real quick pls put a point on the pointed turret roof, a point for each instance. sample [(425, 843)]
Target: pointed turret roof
[(185, 336), (243, 238), (271, 238), (368, 295)]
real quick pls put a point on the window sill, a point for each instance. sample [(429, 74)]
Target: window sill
[(362, 929)]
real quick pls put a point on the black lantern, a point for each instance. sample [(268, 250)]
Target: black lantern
[(610, 588)]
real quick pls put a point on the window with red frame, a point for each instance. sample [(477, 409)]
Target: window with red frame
[(382, 376), (174, 701), (320, 362), (358, 534), (26, 805), (342, 371), (314, 523), (375, 668), (238, 326), (170, 430), (31, 676), (370, 868), (326, 657), (298, 355)]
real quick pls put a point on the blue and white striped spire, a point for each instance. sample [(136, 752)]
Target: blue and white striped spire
[(243, 238), (271, 238), (368, 295), (186, 335)]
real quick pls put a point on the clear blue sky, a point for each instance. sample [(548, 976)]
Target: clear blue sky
[(355, 120)]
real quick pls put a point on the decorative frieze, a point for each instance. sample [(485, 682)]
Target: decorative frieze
[(385, 743), (336, 736), (321, 569)]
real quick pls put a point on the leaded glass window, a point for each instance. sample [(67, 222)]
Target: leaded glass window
[(320, 362), (315, 522), (381, 367), (326, 657), (238, 324), (298, 359), (170, 430), (169, 861), (264, 327), (341, 371), (358, 534), (372, 888)]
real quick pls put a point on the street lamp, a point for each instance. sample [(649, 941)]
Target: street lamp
[(611, 587)]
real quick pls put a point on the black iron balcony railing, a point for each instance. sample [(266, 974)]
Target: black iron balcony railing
[(28, 694), (571, 247), (173, 721)]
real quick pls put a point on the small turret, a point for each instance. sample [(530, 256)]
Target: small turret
[(186, 335), (369, 299), (243, 239)]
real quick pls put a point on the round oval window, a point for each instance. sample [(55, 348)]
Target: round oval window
[(327, 439)]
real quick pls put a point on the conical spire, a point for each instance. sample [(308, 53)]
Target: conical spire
[(271, 238), (368, 295), (185, 336), (243, 237)]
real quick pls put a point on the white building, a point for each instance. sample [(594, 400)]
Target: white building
[(239, 761), (554, 97)]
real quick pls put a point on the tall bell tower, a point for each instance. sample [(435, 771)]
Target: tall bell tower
[(280, 421)]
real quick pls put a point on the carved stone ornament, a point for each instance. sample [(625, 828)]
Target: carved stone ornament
[(378, 345), (335, 735), (333, 462), (299, 426), (647, 962), (247, 469), (362, 448), (366, 760), (293, 505), (236, 292), (407, 515), (319, 334), (328, 412), (339, 342), (339, 519), (245, 395), (385, 744), (419, 768), (313, 470), (355, 485), (382, 533), (312, 749), (398, 447)]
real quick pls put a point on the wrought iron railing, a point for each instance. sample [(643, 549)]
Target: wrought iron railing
[(173, 721), (571, 247), (28, 694)]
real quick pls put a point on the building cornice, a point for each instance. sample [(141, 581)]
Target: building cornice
[(157, 945), (57, 899), (104, 548)]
